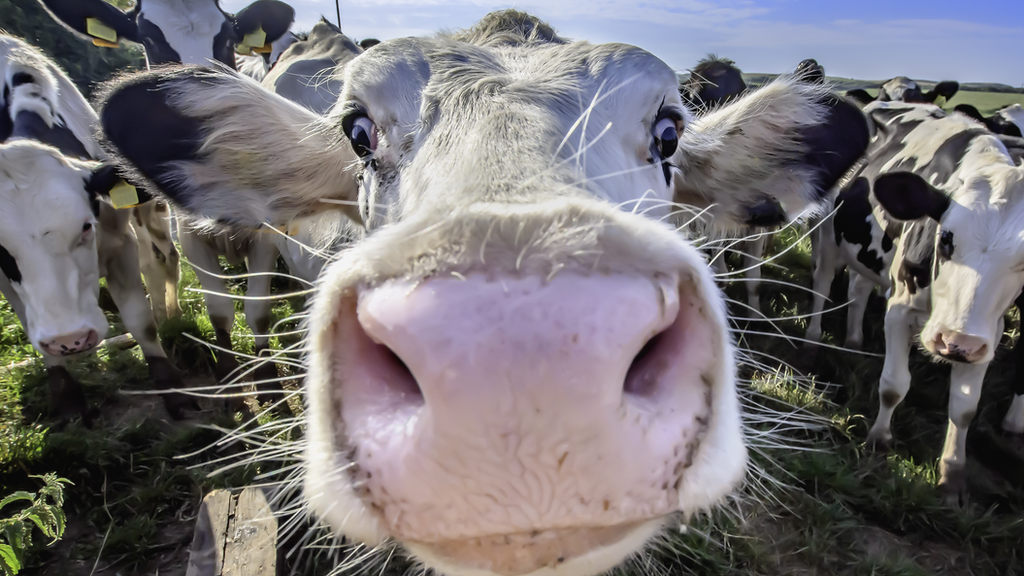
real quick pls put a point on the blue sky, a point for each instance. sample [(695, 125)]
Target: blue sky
[(979, 41)]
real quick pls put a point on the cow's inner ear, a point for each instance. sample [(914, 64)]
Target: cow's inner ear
[(906, 196)]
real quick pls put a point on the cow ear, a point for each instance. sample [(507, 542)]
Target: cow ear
[(219, 146), (273, 17), (947, 89), (770, 155), (860, 95), (107, 182), (906, 196), (94, 20), (970, 112)]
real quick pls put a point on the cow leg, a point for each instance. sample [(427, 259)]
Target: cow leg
[(159, 257), (152, 268), (260, 260), (752, 252), (895, 380), (964, 392), (124, 281), (159, 225), (1014, 420), (858, 293), (219, 306), (826, 256)]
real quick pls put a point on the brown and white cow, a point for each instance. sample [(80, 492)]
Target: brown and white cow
[(57, 238), (510, 374)]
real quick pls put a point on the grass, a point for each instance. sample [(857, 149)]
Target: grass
[(832, 508), (986, 102)]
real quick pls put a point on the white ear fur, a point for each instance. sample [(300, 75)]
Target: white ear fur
[(263, 158), (748, 152)]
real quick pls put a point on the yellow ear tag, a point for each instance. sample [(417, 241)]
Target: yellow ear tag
[(257, 38), (265, 49), (104, 43), (98, 29), (124, 195), (243, 50)]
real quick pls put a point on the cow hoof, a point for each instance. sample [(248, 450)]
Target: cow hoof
[(178, 405), (954, 487), (879, 443)]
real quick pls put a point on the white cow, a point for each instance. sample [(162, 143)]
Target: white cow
[(509, 374), (57, 238)]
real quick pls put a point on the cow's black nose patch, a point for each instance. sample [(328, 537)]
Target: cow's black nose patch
[(768, 212)]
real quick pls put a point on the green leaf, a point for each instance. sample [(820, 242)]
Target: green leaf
[(19, 495), (11, 564)]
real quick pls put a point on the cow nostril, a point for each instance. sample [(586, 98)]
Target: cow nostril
[(643, 374), (402, 380)]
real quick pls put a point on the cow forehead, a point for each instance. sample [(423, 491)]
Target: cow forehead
[(448, 74), (39, 192)]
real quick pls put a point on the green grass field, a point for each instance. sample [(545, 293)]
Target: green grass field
[(821, 505)]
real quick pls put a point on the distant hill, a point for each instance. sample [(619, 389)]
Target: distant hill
[(850, 84), (844, 84)]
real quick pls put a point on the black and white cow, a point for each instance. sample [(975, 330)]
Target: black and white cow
[(936, 214), (172, 31), (198, 32), (514, 372), (809, 70), (712, 82), (1009, 120), (57, 238), (903, 89)]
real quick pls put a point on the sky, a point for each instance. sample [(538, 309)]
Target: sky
[(968, 41)]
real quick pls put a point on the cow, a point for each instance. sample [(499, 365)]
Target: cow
[(713, 82), (367, 43), (199, 32), (514, 371), (58, 237), (257, 64), (1008, 120), (934, 213), (809, 70), (174, 31), (903, 89)]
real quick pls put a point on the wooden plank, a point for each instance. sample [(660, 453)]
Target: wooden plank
[(207, 555), (251, 548), (236, 535)]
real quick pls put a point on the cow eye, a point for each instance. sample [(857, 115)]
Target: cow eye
[(86, 227), (361, 133), (946, 245), (666, 136)]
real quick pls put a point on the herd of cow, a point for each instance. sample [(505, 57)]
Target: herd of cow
[(517, 363)]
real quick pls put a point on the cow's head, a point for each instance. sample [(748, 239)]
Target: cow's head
[(903, 89), (523, 366), (967, 243), (48, 225), (713, 81), (810, 71), (176, 32)]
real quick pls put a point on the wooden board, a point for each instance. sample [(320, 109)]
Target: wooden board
[(236, 535)]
